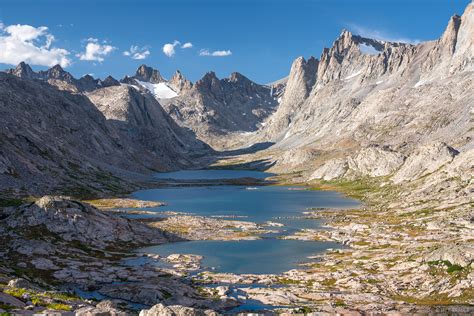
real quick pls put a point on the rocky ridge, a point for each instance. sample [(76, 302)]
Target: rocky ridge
[(57, 76), (54, 139)]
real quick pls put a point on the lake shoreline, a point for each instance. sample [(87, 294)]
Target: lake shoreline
[(337, 281)]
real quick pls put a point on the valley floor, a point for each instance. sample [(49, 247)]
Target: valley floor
[(402, 257)]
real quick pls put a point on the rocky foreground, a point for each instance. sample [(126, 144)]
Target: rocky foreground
[(57, 245)]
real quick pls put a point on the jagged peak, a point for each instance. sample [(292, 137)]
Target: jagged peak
[(238, 77), (178, 75), (301, 62), (22, 70), (57, 68), (23, 65), (88, 77), (450, 35), (208, 81), (148, 74), (210, 75), (345, 33), (109, 77), (179, 82), (144, 67)]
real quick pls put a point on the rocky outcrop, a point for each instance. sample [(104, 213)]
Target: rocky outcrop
[(375, 162), (453, 52), (372, 161), (459, 255), (425, 160), (301, 79), (76, 221), (176, 310), (332, 169), (8, 300), (104, 308), (464, 51)]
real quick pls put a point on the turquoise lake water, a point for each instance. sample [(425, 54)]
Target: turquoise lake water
[(258, 204), (212, 174)]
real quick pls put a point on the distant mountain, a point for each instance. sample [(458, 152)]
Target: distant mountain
[(214, 107), (62, 79), (53, 140), (211, 107)]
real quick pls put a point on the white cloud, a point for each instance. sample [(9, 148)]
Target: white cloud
[(137, 53), (380, 35), (168, 49), (187, 45), (30, 44), (95, 51), (216, 53)]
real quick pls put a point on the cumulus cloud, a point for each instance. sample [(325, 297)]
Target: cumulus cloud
[(168, 49), (137, 53), (95, 51), (187, 45), (380, 35), (30, 44), (216, 53)]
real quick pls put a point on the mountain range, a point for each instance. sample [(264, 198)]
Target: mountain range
[(365, 107)]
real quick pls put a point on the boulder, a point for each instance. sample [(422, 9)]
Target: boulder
[(9, 300), (72, 220), (462, 255), (21, 284), (104, 308), (332, 169), (175, 310)]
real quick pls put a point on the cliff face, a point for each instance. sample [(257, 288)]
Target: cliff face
[(142, 118), (365, 91)]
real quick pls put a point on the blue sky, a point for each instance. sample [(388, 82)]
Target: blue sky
[(258, 38)]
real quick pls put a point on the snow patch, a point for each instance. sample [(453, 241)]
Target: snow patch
[(420, 83), (368, 49), (159, 90), (379, 82), (247, 134), (353, 75)]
